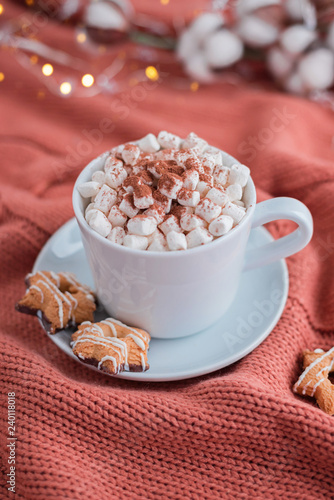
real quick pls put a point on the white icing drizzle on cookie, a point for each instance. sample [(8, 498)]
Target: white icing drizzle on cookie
[(143, 364), (134, 335), (317, 385), (312, 365), (71, 278), (35, 287), (109, 358), (55, 277), (94, 334)]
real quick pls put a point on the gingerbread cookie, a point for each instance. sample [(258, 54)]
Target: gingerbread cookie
[(58, 299), (111, 346), (314, 380)]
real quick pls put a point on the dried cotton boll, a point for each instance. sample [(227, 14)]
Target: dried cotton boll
[(297, 38), (316, 69), (256, 32), (205, 24), (108, 16), (223, 48), (198, 69), (279, 62)]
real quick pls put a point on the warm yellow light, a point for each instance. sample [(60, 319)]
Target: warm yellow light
[(47, 69), (1, 9), (194, 86), (30, 2), (2, 77), (65, 88), (164, 2), (33, 59), (87, 80), (81, 37), (40, 94), (152, 73)]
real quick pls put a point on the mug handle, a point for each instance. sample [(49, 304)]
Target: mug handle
[(275, 209)]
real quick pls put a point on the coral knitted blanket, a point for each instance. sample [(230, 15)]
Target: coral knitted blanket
[(237, 433)]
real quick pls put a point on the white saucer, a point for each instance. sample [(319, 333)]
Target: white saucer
[(254, 313)]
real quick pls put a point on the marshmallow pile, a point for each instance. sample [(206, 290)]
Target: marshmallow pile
[(165, 193)]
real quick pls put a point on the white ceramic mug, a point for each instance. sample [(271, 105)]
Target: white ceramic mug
[(175, 294)]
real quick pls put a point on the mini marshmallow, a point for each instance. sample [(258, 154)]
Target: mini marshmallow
[(167, 140), (142, 225), (188, 198), (221, 225), (116, 217), (116, 235), (117, 151), (193, 141), (130, 154), (99, 177), (135, 242), (157, 242), (90, 214), (234, 192), (221, 174), (115, 177), (131, 182), (197, 237), (203, 187), (136, 169), (157, 246), (112, 163), (176, 241), (146, 178), (190, 179), (208, 161), (156, 168), (91, 206), (190, 221), (149, 144), (208, 210), (157, 235), (99, 222), (105, 199), (162, 200), (157, 212), (166, 154), (169, 185), (182, 156), (240, 203), (239, 174), (170, 224), (89, 189), (237, 213), (218, 196), (127, 206), (142, 197)]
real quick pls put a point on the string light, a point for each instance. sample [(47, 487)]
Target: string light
[(47, 69), (152, 73), (81, 37), (2, 77), (164, 2), (33, 59), (1, 9), (87, 80), (194, 86), (65, 88)]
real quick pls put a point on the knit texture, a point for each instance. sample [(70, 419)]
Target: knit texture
[(237, 433)]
